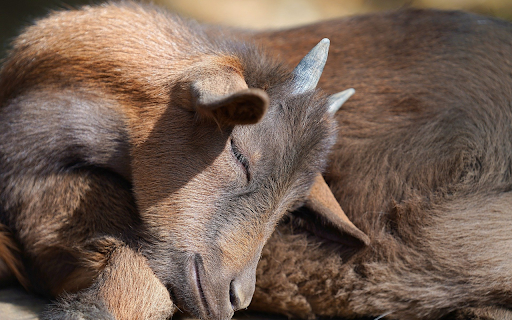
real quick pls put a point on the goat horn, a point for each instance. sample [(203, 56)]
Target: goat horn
[(308, 71), (338, 99)]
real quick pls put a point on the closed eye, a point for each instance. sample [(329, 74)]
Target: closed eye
[(241, 159)]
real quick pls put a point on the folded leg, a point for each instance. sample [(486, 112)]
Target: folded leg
[(126, 289)]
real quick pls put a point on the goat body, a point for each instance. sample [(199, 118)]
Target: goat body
[(422, 166)]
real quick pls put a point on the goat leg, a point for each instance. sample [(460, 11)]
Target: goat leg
[(126, 289)]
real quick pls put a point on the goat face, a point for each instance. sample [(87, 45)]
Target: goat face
[(214, 197)]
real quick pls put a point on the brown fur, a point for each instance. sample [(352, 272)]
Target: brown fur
[(121, 123), (146, 297), (149, 299), (422, 165), (11, 268)]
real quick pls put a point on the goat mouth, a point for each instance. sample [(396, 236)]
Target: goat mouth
[(198, 275)]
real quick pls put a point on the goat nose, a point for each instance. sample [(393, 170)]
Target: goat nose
[(240, 293)]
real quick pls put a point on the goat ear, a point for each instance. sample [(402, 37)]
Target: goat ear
[(327, 220), (219, 92)]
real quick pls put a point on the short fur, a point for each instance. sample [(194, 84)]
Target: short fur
[(422, 165), (119, 125)]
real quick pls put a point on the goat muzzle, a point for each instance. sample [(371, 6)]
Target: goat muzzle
[(218, 294)]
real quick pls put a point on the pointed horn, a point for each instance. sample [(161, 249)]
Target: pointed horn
[(308, 71), (338, 99)]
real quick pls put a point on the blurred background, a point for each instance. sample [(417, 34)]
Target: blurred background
[(14, 14)]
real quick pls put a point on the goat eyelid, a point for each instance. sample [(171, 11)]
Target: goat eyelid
[(241, 159)]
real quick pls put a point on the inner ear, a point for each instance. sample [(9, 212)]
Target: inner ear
[(219, 92), (323, 216), (247, 106)]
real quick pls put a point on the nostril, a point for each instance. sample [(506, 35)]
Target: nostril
[(233, 296)]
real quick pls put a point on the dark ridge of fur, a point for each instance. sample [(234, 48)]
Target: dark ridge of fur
[(10, 256), (480, 314), (422, 165)]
